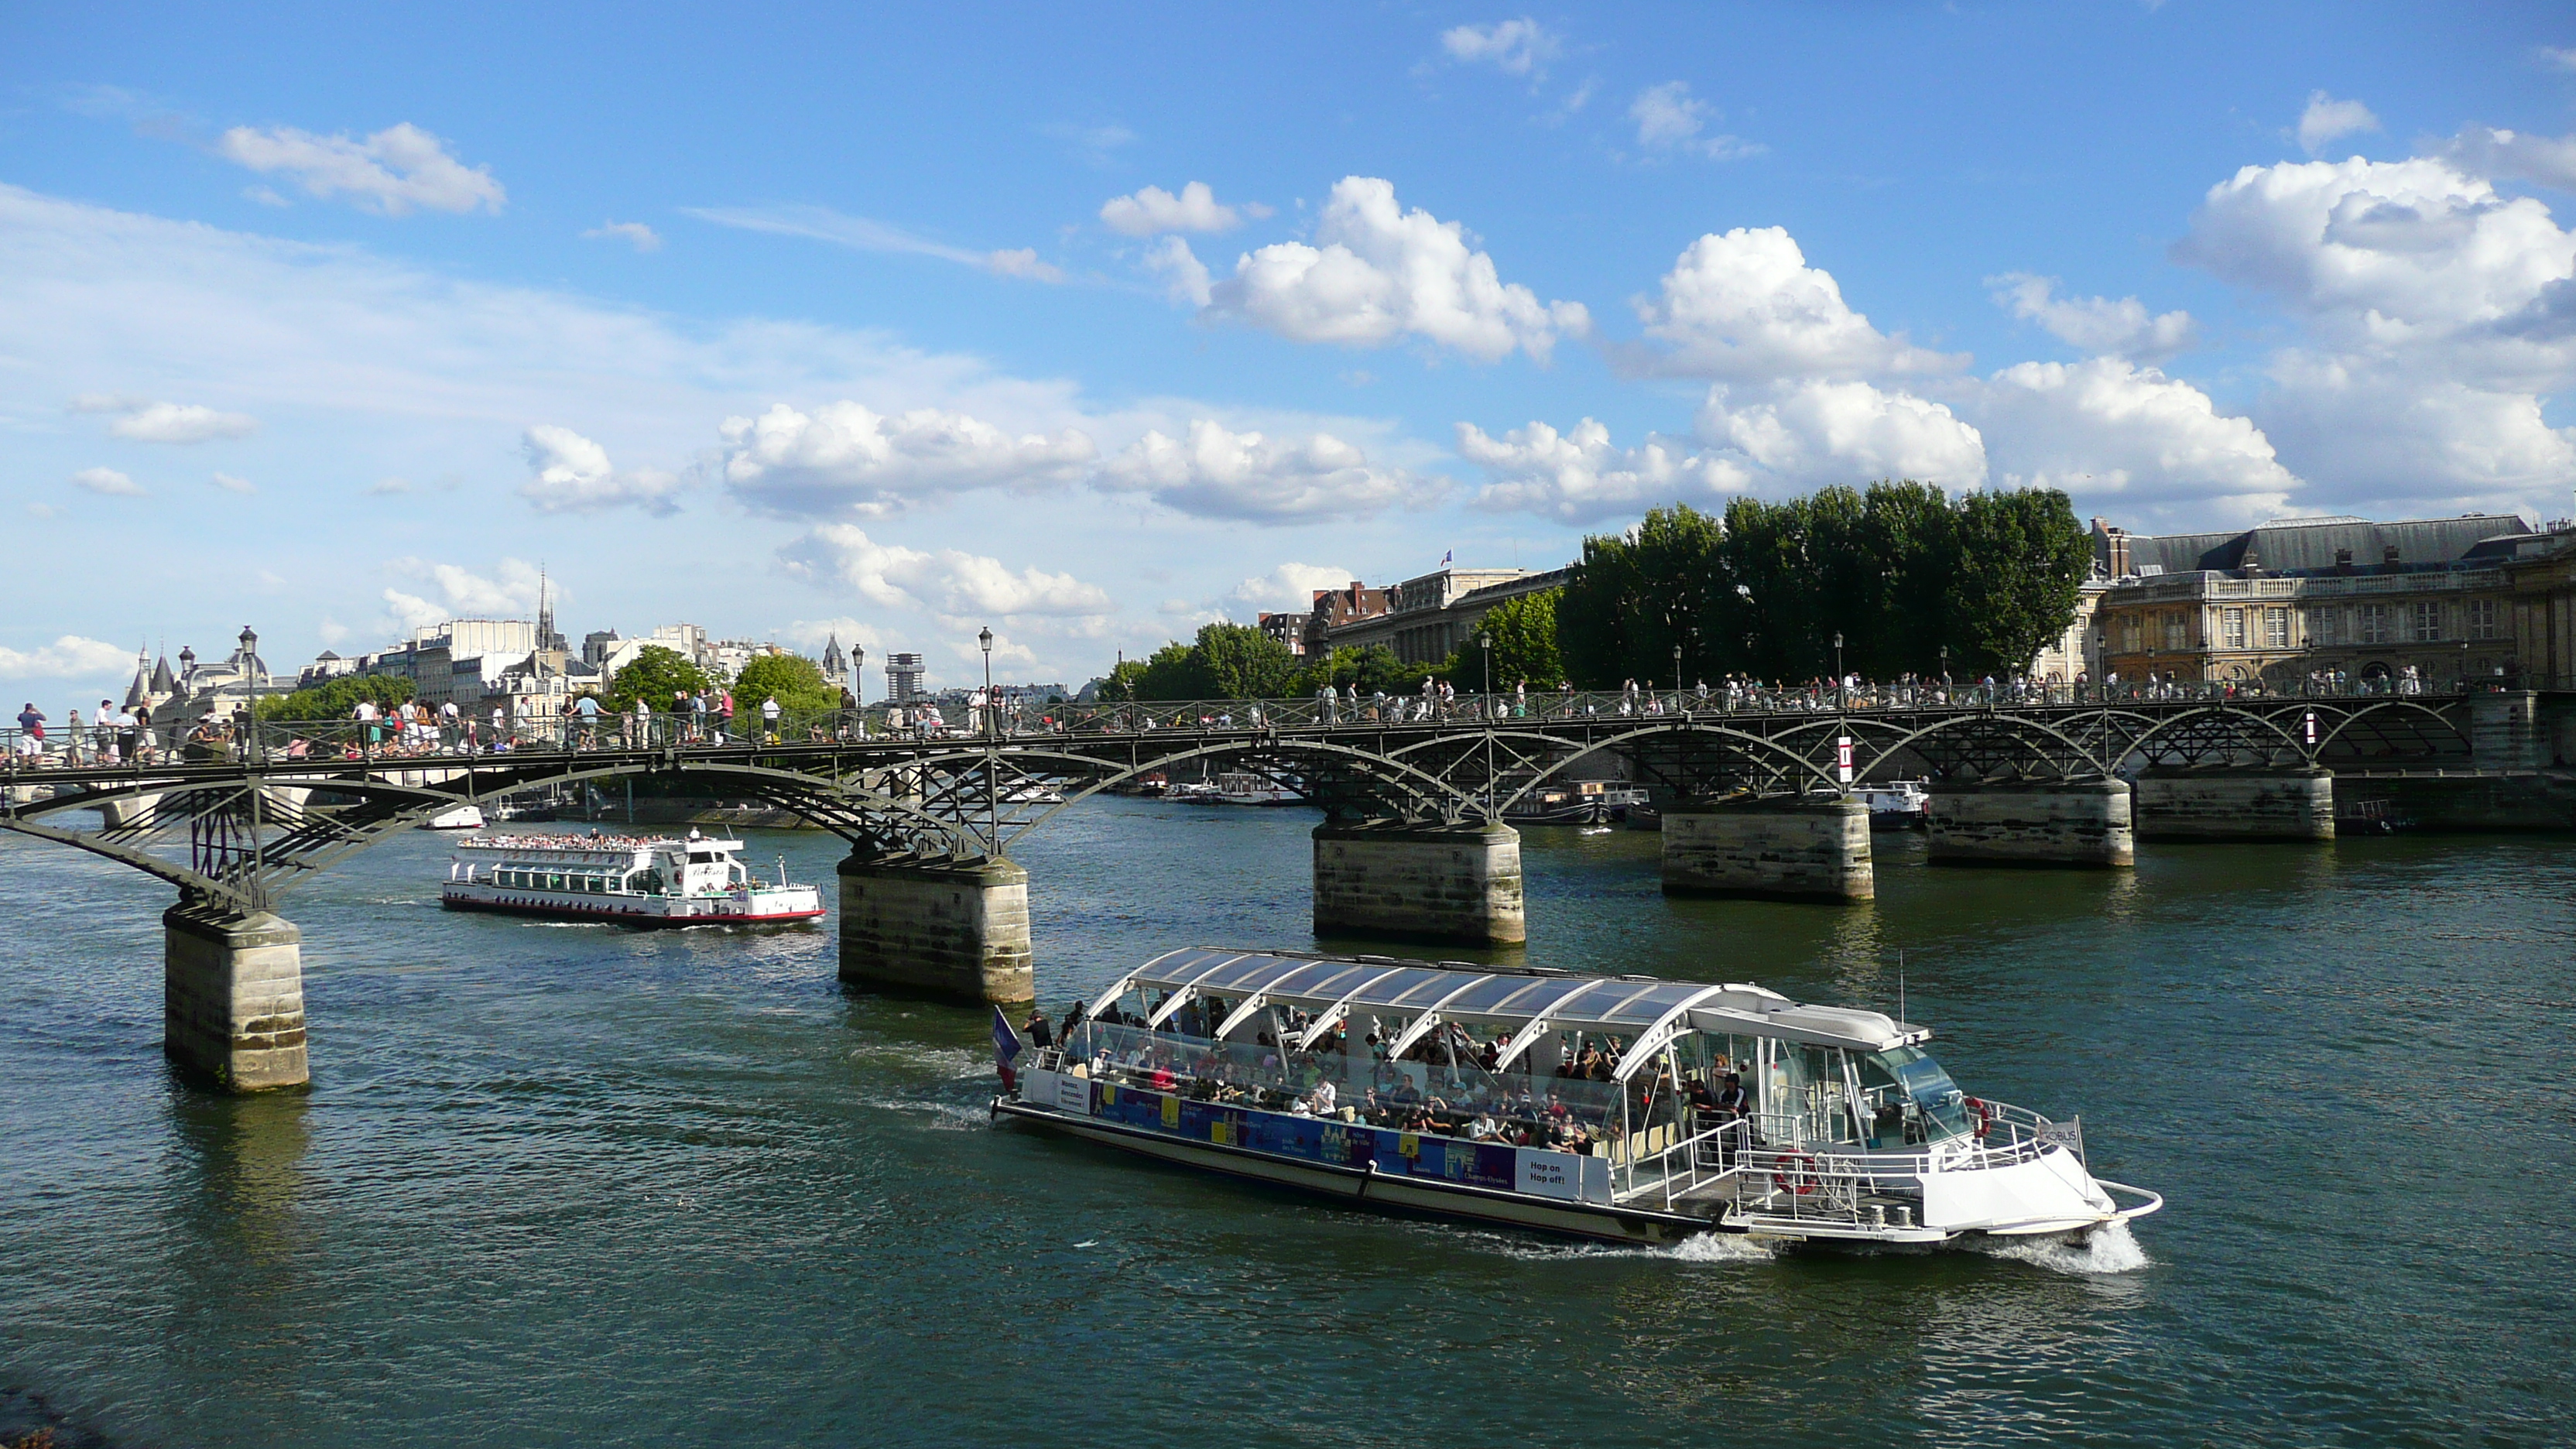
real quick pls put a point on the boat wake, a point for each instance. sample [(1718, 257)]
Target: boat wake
[(1698, 1248), (2102, 1252)]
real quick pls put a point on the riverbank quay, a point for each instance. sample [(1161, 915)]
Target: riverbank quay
[(554, 1182)]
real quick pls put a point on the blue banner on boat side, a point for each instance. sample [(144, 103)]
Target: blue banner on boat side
[(1311, 1139)]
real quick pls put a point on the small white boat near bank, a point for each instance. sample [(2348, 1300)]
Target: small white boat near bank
[(1436, 1089)]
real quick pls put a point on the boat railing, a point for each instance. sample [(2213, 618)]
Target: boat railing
[(2002, 1134)]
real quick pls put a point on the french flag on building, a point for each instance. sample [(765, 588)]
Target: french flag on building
[(1447, 554), (1006, 1049)]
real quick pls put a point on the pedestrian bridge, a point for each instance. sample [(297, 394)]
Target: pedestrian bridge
[(1753, 794)]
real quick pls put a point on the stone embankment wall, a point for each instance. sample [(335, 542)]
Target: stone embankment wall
[(954, 930), (1785, 848), (1442, 883)]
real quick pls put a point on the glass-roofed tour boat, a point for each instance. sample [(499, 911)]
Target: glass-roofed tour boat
[(1622, 1108)]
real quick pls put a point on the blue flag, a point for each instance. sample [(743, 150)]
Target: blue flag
[(1006, 1048)]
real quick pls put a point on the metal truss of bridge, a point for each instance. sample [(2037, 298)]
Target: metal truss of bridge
[(1752, 794)]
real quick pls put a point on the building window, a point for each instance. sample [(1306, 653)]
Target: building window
[(2231, 628), (2482, 618), (2428, 622), (2321, 625), (2173, 630), (2276, 628), (2374, 623)]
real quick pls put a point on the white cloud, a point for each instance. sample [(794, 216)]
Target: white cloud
[(182, 423), (1514, 47), (231, 484), (69, 657), (1185, 277), (1669, 118), (951, 583), (635, 233), (1578, 477), (44, 510), (2438, 313), (2377, 433), (2108, 426), (510, 591), (1155, 210), (388, 487), (1097, 145), (1378, 272), (1249, 475), (107, 482), (1745, 306), (2558, 57), (844, 458), (1289, 588), (389, 173), (2491, 151), (2096, 324), (2327, 118), (147, 421), (821, 223), (1815, 433), (574, 476)]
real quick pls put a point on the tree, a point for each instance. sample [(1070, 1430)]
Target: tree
[(1635, 595), (1371, 670), (334, 698), (1524, 648), (655, 674), (1225, 661), (2019, 568), (1123, 683), (796, 683)]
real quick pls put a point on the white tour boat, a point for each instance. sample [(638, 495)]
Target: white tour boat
[(629, 880), (1436, 1089), (1246, 787)]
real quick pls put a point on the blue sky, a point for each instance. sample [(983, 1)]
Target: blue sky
[(337, 320)]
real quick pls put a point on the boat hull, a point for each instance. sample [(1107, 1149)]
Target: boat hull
[(617, 912), (1364, 1187)]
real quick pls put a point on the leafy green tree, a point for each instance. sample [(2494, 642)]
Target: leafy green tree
[(2018, 570), (334, 698), (1636, 595), (796, 683), (1241, 662), (654, 675), (1172, 672), (1123, 683), (1370, 671), (1523, 631)]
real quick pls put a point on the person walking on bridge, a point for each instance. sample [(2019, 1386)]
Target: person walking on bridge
[(769, 719)]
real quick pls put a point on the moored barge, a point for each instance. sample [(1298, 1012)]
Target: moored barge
[(628, 880)]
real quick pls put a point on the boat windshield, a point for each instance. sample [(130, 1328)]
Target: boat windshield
[(1935, 1101)]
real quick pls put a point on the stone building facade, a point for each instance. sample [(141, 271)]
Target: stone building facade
[(2298, 596), (1432, 617)]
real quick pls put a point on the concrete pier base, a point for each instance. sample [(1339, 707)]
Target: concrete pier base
[(1433, 883), (2507, 731), (2235, 804), (1788, 847), (952, 929), (2083, 823), (233, 997)]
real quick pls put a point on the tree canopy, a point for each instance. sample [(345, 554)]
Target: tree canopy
[(1225, 661), (1898, 571), (334, 698), (796, 682), (654, 675), (1524, 648)]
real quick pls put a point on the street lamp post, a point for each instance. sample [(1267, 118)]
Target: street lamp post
[(1945, 674), (1841, 700), (1485, 644), (992, 757)]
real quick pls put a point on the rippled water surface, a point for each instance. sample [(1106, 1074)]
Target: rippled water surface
[(568, 1185)]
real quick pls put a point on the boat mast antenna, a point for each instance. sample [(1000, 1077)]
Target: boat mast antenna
[(1900, 986)]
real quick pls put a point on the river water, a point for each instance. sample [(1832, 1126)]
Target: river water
[(569, 1185)]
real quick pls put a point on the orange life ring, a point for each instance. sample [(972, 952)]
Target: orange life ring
[(1985, 1115), (1796, 1174)]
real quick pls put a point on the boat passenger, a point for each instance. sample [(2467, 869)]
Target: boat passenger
[(1481, 1127), (1325, 1097)]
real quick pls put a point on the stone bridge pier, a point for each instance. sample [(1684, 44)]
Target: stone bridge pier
[(2083, 823), (233, 996), (1424, 882), (955, 929), (1772, 847), (2235, 803)]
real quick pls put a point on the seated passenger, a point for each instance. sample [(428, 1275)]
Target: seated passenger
[(1482, 1128), (1325, 1098)]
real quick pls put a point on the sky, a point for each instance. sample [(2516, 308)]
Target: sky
[(1092, 324)]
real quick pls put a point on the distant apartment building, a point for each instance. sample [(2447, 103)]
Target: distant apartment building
[(903, 679), (2474, 597), (1334, 608), (1431, 617), (1287, 630)]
